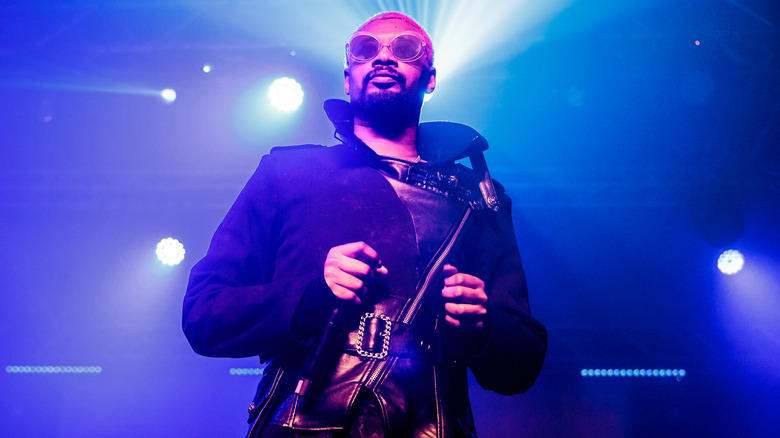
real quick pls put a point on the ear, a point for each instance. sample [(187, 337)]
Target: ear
[(346, 81), (431, 81)]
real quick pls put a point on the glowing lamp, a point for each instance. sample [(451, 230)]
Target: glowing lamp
[(621, 372), (168, 95), (286, 94), (170, 251), (730, 262)]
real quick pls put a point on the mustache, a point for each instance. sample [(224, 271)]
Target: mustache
[(385, 71)]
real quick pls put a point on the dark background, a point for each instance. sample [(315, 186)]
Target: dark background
[(634, 157)]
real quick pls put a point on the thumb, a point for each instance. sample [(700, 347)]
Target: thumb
[(449, 270)]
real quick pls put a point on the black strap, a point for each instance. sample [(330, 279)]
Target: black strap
[(404, 340), (450, 181)]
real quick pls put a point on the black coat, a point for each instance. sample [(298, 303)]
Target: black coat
[(259, 291)]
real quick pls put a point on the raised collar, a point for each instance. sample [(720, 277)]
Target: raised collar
[(437, 142)]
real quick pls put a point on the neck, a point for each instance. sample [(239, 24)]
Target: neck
[(403, 146)]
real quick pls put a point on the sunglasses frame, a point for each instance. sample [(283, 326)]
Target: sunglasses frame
[(388, 45)]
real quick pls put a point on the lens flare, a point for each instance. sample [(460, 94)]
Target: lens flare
[(730, 262), (168, 95), (285, 94), (170, 251)]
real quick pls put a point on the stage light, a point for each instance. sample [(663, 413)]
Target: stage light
[(168, 95), (170, 251), (206, 68), (619, 372), (246, 371), (494, 35), (47, 369), (731, 261), (285, 94)]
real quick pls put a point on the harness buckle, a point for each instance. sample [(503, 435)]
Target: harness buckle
[(384, 334)]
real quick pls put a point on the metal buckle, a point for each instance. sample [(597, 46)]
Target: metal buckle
[(385, 334)]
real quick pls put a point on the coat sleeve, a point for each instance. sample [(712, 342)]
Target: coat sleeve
[(234, 307), (511, 352)]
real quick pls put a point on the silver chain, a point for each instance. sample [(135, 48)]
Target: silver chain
[(385, 336)]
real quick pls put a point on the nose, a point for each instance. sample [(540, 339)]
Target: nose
[(385, 57)]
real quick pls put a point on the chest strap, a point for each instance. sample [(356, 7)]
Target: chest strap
[(449, 184), (378, 337)]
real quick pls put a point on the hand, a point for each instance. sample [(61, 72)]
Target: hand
[(464, 299), (346, 266)]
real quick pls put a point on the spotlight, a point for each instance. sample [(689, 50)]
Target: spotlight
[(206, 68), (170, 251), (246, 371), (285, 94), (168, 95), (627, 373), (27, 369), (730, 262)]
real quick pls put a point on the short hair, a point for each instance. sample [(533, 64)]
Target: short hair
[(406, 19)]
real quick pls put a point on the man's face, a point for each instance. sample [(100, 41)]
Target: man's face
[(386, 80)]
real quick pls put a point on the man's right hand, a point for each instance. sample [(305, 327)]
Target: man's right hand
[(346, 266)]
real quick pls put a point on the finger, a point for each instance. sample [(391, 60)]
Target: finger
[(349, 265), (461, 294), (464, 280), (334, 276), (466, 324), (371, 258), (460, 310), (449, 270), (345, 294), (360, 250), (352, 249), (363, 252), (452, 321)]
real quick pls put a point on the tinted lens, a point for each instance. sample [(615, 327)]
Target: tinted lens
[(364, 47), (406, 47)]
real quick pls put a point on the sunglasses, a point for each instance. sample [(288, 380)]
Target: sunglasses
[(364, 47)]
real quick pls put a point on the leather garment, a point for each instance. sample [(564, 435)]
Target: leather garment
[(415, 378), (259, 290)]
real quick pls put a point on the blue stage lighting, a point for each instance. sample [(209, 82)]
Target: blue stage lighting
[(619, 372), (168, 95), (170, 251), (730, 262), (285, 94), (246, 371), (48, 369)]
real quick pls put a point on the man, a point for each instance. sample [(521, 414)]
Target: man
[(370, 274)]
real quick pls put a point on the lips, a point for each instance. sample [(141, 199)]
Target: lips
[(387, 74)]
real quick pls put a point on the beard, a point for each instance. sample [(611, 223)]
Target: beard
[(387, 111)]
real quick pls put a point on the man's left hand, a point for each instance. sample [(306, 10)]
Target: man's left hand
[(464, 299)]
